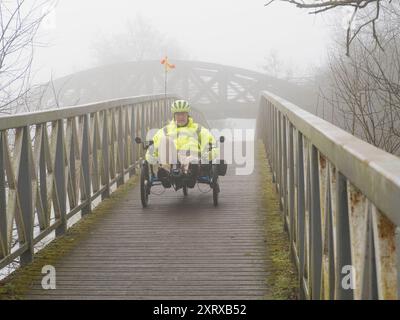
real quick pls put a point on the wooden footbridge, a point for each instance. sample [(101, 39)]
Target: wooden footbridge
[(336, 197)]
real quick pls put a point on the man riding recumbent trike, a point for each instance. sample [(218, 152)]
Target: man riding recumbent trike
[(181, 154)]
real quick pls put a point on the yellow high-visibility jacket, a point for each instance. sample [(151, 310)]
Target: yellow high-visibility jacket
[(193, 137)]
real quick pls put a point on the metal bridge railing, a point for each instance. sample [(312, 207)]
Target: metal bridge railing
[(55, 163), (340, 198)]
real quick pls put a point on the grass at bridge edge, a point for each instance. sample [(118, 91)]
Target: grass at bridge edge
[(15, 286), (283, 280)]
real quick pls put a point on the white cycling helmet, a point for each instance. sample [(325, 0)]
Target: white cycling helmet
[(180, 106)]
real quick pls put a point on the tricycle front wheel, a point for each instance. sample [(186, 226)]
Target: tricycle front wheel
[(144, 184)]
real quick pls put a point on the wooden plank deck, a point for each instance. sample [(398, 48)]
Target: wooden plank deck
[(177, 248)]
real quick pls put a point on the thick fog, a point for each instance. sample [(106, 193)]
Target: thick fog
[(237, 33), (225, 52)]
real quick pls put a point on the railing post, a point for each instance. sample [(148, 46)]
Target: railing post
[(329, 225), (315, 228), (291, 186), (59, 175), (94, 143), (151, 117), (142, 119), (148, 116), (132, 171), (43, 173), (265, 123), (300, 211), (127, 137), (274, 145), (25, 193), (86, 165), (105, 155), (284, 174), (142, 127), (272, 141), (343, 250), (112, 137), (279, 166), (70, 154), (369, 281), (120, 148), (137, 132)]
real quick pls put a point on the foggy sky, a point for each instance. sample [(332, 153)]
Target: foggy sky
[(232, 32)]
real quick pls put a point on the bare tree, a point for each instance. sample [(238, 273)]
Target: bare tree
[(274, 66), (19, 23), (139, 41), (367, 12), (363, 90)]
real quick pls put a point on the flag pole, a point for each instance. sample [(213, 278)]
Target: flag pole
[(165, 81), (165, 84), (166, 66)]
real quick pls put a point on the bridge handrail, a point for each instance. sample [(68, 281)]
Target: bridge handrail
[(340, 197), (56, 163), (48, 115)]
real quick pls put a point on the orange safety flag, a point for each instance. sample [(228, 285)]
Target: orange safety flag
[(167, 65)]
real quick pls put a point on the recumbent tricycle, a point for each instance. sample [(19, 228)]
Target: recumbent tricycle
[(206, 173)]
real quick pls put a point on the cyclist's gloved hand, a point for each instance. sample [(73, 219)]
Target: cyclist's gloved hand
[(185, 160)]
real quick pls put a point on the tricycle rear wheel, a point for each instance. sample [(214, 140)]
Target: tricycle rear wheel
[(215, 184)]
